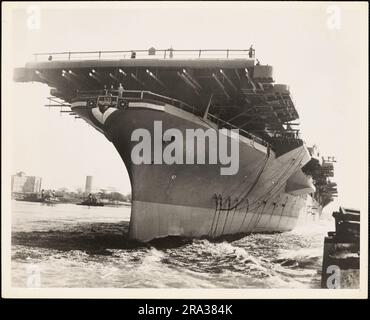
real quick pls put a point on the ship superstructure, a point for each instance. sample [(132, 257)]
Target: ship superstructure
[(321, 170), (119, 91)]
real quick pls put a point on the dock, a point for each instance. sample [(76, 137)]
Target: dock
[(341, 259)]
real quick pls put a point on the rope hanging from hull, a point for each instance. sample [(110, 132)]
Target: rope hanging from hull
[(255, 205)]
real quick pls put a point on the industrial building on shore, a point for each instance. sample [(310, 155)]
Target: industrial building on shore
[(25, 184)]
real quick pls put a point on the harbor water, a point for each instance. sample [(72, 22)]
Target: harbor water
[(81, 247)]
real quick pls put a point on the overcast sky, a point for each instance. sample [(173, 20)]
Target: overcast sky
[(325, 68)]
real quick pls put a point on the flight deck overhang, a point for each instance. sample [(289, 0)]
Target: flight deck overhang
[(236, 90), (24, 74)]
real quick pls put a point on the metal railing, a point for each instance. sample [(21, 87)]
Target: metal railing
[(137, 95), (247, 134), (147, 54)]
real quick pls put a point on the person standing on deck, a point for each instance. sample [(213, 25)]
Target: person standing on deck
[(251, 51), (120, 90)]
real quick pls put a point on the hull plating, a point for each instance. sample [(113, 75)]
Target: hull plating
[(195, 200)]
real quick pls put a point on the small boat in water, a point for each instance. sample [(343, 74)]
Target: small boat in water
[(91, 201), (92, 204), (44, 198), (51, 200)]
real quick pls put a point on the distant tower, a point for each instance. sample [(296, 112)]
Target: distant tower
[(88, 185)]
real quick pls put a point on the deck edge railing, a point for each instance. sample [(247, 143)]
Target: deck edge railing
[(176, 103), (150, 53)]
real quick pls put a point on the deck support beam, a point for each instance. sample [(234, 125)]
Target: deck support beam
[(208, 106), (221, 85)]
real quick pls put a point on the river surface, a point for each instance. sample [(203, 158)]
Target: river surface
[(75, 246)]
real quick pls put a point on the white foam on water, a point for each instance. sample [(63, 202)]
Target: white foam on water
[(75, 247)]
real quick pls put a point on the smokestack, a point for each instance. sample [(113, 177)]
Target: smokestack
[(88, 185)]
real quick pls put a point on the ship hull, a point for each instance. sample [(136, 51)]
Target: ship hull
[(195, 200), (151, 220)]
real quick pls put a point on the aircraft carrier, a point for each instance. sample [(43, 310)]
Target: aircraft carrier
[(117, 92)]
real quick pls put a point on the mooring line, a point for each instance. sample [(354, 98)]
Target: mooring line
[(274, 205), (260, 215), (214, 215), (245, 214), (218, 217), (276, 185), (254, 214), (261, 168), (232, 219), (253, 184), (284, 176), (227, 214)]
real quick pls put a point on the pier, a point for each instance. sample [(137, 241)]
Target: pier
[(341, 260)]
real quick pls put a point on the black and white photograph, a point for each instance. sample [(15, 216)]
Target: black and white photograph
[(185, 150)]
